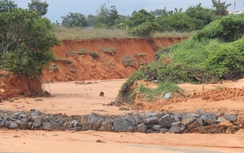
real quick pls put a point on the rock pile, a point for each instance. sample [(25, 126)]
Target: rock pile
[(150, 122)]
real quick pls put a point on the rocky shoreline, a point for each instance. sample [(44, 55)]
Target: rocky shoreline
[(150, 122)]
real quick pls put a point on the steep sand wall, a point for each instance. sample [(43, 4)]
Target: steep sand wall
[(106, 66)]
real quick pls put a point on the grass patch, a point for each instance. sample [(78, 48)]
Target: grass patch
[(153, 94), (83, 51), (110, 51), (128, 61), (64, 33)]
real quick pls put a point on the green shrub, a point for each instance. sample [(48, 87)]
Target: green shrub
[(145, 29), (227, 29)]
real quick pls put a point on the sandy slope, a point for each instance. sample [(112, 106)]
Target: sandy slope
[(71, 98)]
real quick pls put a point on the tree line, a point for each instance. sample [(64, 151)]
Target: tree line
[(139, 23)]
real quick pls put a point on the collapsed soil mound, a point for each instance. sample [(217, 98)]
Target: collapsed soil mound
[(102, 58), (12, 85)]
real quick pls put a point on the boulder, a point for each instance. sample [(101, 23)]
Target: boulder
[(150, 120), (166, 121), (188, 119), (156, 127), (177, 127), (141, 128), (121, 125), (50, 126), (231, 117), (12, 125)]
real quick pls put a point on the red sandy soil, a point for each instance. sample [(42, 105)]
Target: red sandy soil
[(77, 98)]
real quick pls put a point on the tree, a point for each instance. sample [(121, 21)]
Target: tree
[(25, 42), (140, 17), (202, 16), (39, 7), (106, 17), (7, 5), (102, 15), (176, 22), (91, 20), (220, 7), (74, 20)]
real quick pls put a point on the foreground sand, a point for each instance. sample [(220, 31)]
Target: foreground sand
[(73, 99)]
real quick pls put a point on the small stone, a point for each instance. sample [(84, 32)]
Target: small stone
[(156, 127), (99, 141), (206, 120), (163, 130), (150, 120), (32, 109)]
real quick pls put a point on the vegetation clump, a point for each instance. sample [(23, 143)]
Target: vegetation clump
[(110, 51)]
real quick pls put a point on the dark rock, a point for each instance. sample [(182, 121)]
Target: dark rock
[(156, 127), (106, 126), (22, 126), (50, 126), (2, 123), (131, 120), (178, 117), (22, 115), (200, 112), (231, 117), (212, 117), (35, 114), (163, 130), (32, 109), (150, 131), (150, 114), (29, 125), (137, 117), (166, 121), (150, 120), (141, 128), (121, 125), (206, 120), (13, 125), (177, 127), (36, 124), (188, 119), (193, 125)]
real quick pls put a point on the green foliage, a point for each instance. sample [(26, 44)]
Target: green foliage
[(125, 88), (39, 7), (145, 29), (202, 16), (7, 5), (106, 17), (229, 28), (227, 60), (140, 17), (74, 20), (176, 22), (25, 41), (208, 56)]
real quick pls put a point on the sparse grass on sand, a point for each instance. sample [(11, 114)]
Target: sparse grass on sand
[(64, 33)]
